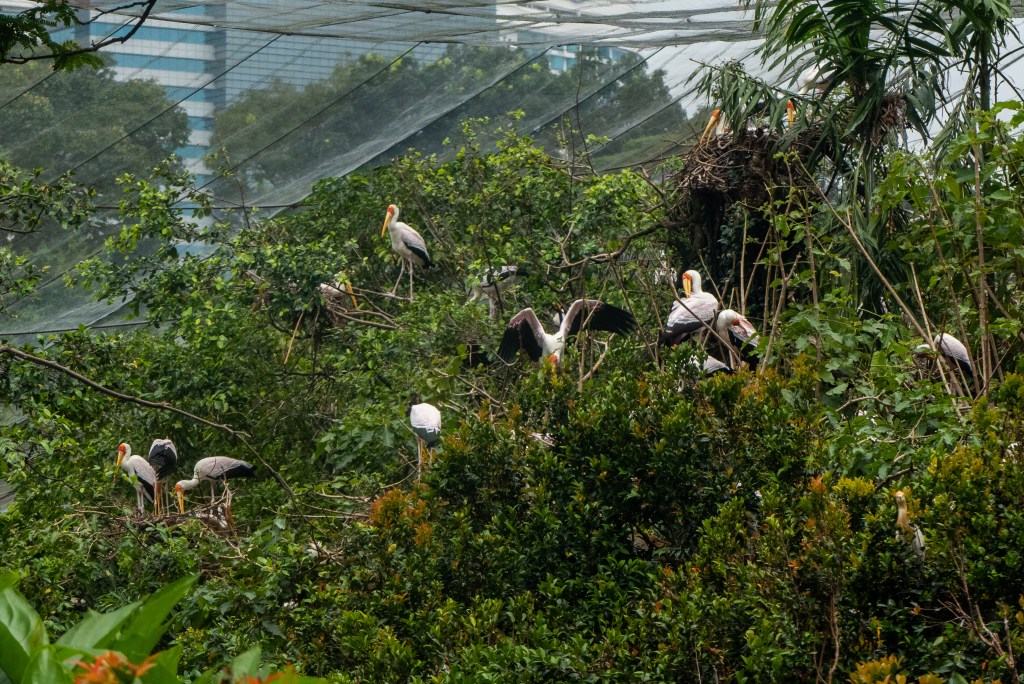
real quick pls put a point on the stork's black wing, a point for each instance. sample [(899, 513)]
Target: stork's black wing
[(743, 336), (523, 331), (163, 456), (596, 315), (239, 469)]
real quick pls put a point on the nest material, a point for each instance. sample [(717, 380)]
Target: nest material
[(338, 303), (739, 167)]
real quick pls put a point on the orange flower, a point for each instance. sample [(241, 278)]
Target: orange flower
[(112, 668)]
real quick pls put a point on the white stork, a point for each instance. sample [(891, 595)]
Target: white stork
[(214, 469), (740, 334), (407, 243), (163, 456), (425, 420), (524, 330), (142, 474), (956, 356), (695, 312), (494, 284), (905, 530)]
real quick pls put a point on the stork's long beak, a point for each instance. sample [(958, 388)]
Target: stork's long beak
[(348, 288), (181, 500), (715, 115), (387, 220), (687, 285), (120, 457), (791, 112)]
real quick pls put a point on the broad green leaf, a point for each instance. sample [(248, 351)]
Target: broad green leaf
[(97, 629), (147, 625), (21, 633), (45, 668), (247, 663), (165, 668)]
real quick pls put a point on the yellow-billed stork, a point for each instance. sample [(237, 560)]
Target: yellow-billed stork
[(213, 469), (163, 456), (740, 334), (425, 420), (956, 357), (141, 473), (693, 313), (494, 284), (524, 330), (407, 243)]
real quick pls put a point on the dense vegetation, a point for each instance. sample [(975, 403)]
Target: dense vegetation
[(619, 517)]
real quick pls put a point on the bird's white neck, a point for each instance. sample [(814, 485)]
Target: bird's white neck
[(189, 484)]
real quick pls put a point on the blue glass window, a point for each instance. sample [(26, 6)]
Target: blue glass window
[(195, 66)]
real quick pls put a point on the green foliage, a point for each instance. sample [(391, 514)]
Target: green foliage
[(617, 518)]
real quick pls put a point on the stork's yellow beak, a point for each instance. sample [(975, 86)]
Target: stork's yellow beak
[(687, 285), (791, 112), (387, 220), (181, 500), (348, 288), (715, 115)]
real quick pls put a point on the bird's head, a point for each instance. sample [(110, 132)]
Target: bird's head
[(791, 112), (715, 116), (925, 351), (392, 214), (901, 499), (122, 450), (413, 400), (688, 283), (180, 491)]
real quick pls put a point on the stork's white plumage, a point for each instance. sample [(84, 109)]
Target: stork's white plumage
[(213, 469), (407, 243), (425, 420), (142, 474), (905, 530), (956, 356), (524, 330), (813, 78), (163, 456), (691, 314), (740, 334), (712, 366)]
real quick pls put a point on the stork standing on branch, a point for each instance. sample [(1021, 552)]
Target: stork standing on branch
[(956, 357), (493, 286), (691, 314), (142, 474), (524, 330), (425, 420), (214, 469), (163, 457), (407, 243)]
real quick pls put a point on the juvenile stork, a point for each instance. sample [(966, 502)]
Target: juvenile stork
[(524, 330), (163, 456), (905, 530), (142, 474), (425, 420), (691, 314), (407, 243), (716, 128), (494, 284), (214, 469), (740, 334)]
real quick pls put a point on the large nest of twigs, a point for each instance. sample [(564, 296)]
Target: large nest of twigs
[(741, 167), (339, 303)]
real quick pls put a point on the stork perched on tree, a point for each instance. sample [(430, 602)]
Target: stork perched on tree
[(740, 334), (214, 469), (691, 314), (425, 420), (407, 243), (956, 357), (524, 330), (163, 456), (494, 284), (905, 530), (142, 474)]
